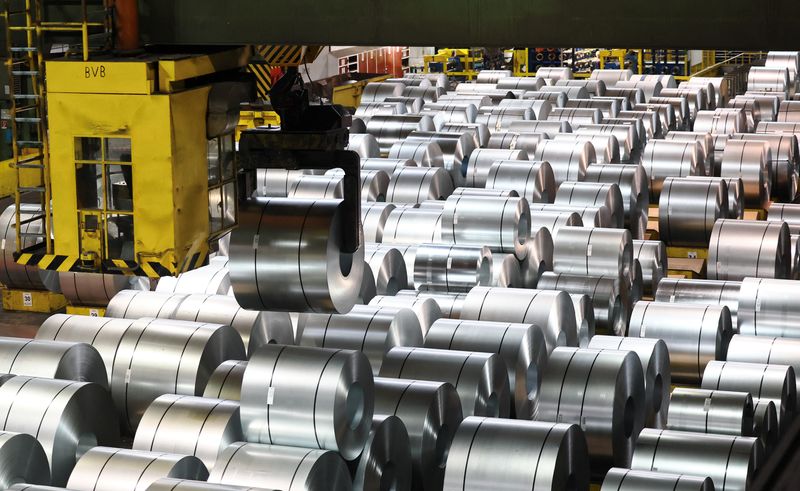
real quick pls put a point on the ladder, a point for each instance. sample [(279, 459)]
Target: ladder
[(24, 58)]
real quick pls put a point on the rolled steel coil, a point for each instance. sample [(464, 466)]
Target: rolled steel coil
[(437, 79), (594, 87), (571, 92), (713, 147), (479, 131), (635, 283), (427, 309), (520, 83), (24, 460), (385, 462), (425, 154), (650, 120), (548, 128), (635, 189), (765, 350), (703, 292), (326, 279), (94, 290), (494, 193), (622, 102), (214, 279), (226, 381), (709, 91), (603, 392), (505, 272), (481, 379), (720, 412), (431, 412), (611, 307), (374, 184), (771, 382), (768, 79), (775, 127), (278, 467), (765, 424), (695, 335), (368, 288), (517, 455), (495, 95), (502, 224), (594, 252), (584, 317), (418, 184), (768, 307), (534, 181), (388, 130), (378, 91), (492, 76), (735, 194), (554, 74), (498, 119), (373, 220), (540, 109), (785, 160), (450, 304), (724, 121), (689, 208), (569, 160), (627, 137), (695, 97), (366, 110), (606, 147), (749, 160), (650, 88), (52, 359), (451, 112), (730, 461), (369, 329), (680, 106), (256, 328), (609, 108), (413, 105), (593, 194), (664, 158), (12, 274), (634, 95), (591, 216), (756, 109), (576, 116), (719, 86), (454, 269), (785, 212), (618, 479), (611, 76), (665, 114), (478, 98), (171, 484), (388, 269), (553, 221), (652, 258), (357, 127), (742, 248), (456, 150), (788, 112), (538, 259), (189, 426), (67, 418), (428, 94), (481, 161)]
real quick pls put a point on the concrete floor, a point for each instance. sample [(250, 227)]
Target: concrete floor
[(20, 324)]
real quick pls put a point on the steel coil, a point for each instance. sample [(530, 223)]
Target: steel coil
[(451, 112), (551, 311), (724, 121), (67, 418), (649, 120), (214, 279), (571, 92), (603, 392), (477, 98), (368, 288), (388, 269), (428, 94), (437, 79), (378, 91), (765, 424), (593, 194), (540, 109), (388, 130), (373, 220), (771, 382), (538, 259), (593, 252), (634, 95), (576, 116), (652, 258), (12, 274), (785, 160), (703, 292), (498, 119), (278, 467), (664, 158), (389, 165), (749, 160), (765, 350), (502, 224), (518, 455), (594, 87), (775, 127), (756, 109), (532, 180), (665, 114), (584, 317), (171, 484), (552, 221), (634, 187), (611, 307), (696, 335), (521, 83), (425, 154), (730, 461), (426, 309), (591, 216), (440, 267), (23, 460), (418, 184), (627, 137), (367, 110), (680, 106), (481, 161), (456, 150), (493, 193), (505, 272), (741, 248), (450, 304), (611, 76), (627, 480), (357, 126), (52, 359), (735, 194), (720, 412), (374, 183), (695, 97), (513, 140), (413, 105), (554, 74), (606, 146), (788, 112), (609, 107), (768, 308), (569, 160), (785, 212), (689, 208), (325, 279), (189, 426), (226, 381), (385, 462), (768, 79), (548, 128), (712, 146), (94, 290)]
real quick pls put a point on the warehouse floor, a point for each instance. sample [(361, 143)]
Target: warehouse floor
[(20, 324)]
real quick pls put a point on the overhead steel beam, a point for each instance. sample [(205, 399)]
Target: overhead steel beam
[(698, 24)]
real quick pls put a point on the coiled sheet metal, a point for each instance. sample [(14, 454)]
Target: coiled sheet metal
[(417, 184), (696, 335), (389, 129), (441, 267), (749, 160), (768, 79), (712, 147), (609, 107), (603, 392), (768, 308), (387, 267), (551, 311), (618, 479), (593, 252), (366, 146), (255, 328), (456, 150), (695, 97), (213, 279), (317, 187), (652, 258), (689, 208), (627, 137), (523, 83), (279, 467), (502, 224), (533, 181), (373, 220), (171, 484), (704, 292), (431, 412), (189, 426), (505, 271), (548, 128), (575, 116), (269, 271), (385, 462), (479, 131), (413, 226), (450, 304), (378, 91), (722, 121), (517, 455), (451, 112), (720, 412), (67, 418), (516, 140), (52, 359), (481, 379), (538, 259), (765, 424), (553, 221), (611, 76), (730, 461), (606, 147), (424, 153), (226, 381), (14, 275), (765, 350), (785, 212), (368, 288), (742, 248), (665, 158), (569, 160), (771, 382), (584, 317), (785, 159), (593, 87), (679, 105), (591, 216), (521, 346), (593, 194), (611, 305), (369, 329), (285, 387), (426, 309), (23, 460), (89, 289), (482, 159)]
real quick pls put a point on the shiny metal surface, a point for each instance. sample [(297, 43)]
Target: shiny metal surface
[(521, 346), (730, 461), (649, 120), (551, 311), (775, 127), (635, 95), (269, 271), (591, 216), (749, 160), (67, 418), (569, 160), (704, 292), (389, 129), (716, 89), (388, 269), (695, 97), (603, 392), (378, 91), (584, 317), (593, 251), (446, 268), (548, 128), (785, 159), (680, 106), (768, 308), (635, 190), (554, 220), (506, 272), (772, 382), (665, 158), (594, 87), (627, 136), (451, 112), (517, 455), (500, 118), (385, 462), (721, 121), (456, 150), (606, 146), (664, 112), (171, 484), (540, 108), (756, 109), (428, 94), (575, 116), (785, 212), (369, 329), (366, 146), (479, 131), (287, 387), (426, 309), (611, 76), (213, 279), (413, 226), (571, 92), (610, 302), (534, 181), (689, 208), (538, 259), (481, 379), (373, 220), (627, 480), (593, 194), (720, 412), (23, 460), (765, 424), (695, 335), (189, 425), (769, 79), (765, 350), (52, 359), (425, 154), (90, 289), (417, 184), (226, 381), (366, 110), (789, 112), (14, 275), (279, 467), (367, 291), (431, 412), (482, 159), (652, 258), (554, 74), (450, 304), (742, 248), (502, 224)]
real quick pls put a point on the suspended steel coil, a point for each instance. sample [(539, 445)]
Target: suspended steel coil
[(742, 248), (704, 292), (385, 462), (695, 335), (569, 160), (627, 480), (23, 460), (428, 94), (425, 154), (689, 208), (417, 184), (634, 187), (611, 305), (502, 224), (226, 381), (52, 359), (593, 194)]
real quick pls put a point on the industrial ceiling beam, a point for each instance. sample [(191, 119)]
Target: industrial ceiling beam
[(699, 24)]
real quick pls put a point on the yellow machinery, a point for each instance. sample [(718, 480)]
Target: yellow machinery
[(349, 94), (455, 62)]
